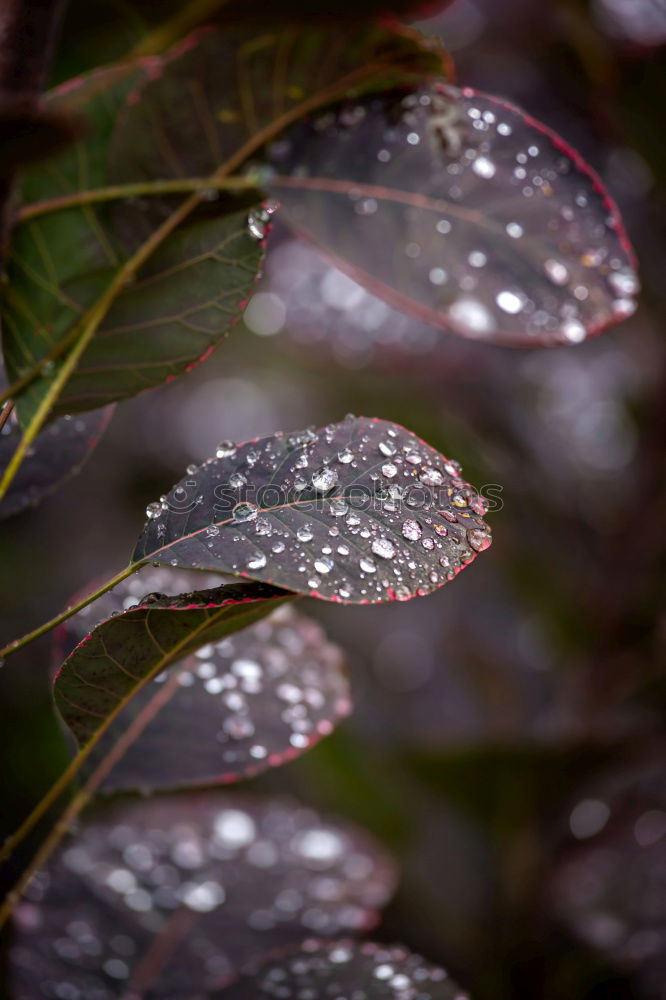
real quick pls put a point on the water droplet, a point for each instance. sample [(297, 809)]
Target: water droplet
[(479, 539), (367, 565), (237, 479), (256, 561), (324, 565), (305, 534), (225, 449), (483, 167), (574, 331), (324, 479), (412, 530), (387, 448), (256, 223), (383, 547), (431, 477), (345, 456), (509, 302), (263, 526), (153, 510), (556, 271), (389, 470), (244, 512)]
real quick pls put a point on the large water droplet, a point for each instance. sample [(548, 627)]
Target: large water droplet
[(324, 479), (383, 547), (244, 512)]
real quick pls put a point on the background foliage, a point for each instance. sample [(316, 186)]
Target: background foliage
[(488, 713)]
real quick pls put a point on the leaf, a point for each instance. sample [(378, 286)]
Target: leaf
[(234, 90), (254, 700), (358, 512), (182, 301), (463, 211), (58, 453), (180, 118), (170, 897), (610, 887), (125, 652), (346, 968)]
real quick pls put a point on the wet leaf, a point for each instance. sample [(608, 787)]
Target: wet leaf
[(171, 896), (208, 105), (319, 969), (359, 512), (254, 700), (127, 650), (463, 211), (234, 90), (58, 453), (610, 888)]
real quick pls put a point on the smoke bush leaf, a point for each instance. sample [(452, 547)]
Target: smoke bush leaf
[(462, 210), (182, 301), (205, 107), (170, 897), (345, 969), (127, 650), (58, 453), (254, 700), (360, 512)]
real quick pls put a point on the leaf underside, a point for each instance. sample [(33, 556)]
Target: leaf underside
[(360, 512), (254, 700), (123, 653)]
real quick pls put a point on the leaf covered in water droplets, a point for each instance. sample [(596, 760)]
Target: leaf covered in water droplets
[(254, 700), (359, 512), (610, 887), (462, 210), (342, 969), (170, 897), (129, 649), (57, 453)]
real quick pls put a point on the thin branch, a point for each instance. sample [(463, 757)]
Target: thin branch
[(138, 190), (17, 644)]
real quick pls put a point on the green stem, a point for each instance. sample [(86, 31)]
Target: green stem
[(12, 647), (139, 189), (87, 329), (83, 796), (194, 14)]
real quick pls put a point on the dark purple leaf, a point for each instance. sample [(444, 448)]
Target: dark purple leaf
[(460, 209), (170, 897), (127, 650), (360, 512), (346, 969), (632, 22), (254, 700), (58, 453), (610, 889)]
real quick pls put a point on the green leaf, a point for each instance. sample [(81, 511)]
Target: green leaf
[(183, 300), (188, 119), (127, 650)]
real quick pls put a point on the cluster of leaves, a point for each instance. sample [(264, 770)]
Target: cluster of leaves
[(134, 250)]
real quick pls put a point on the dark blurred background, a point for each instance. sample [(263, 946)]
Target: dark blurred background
[(507, 742)]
